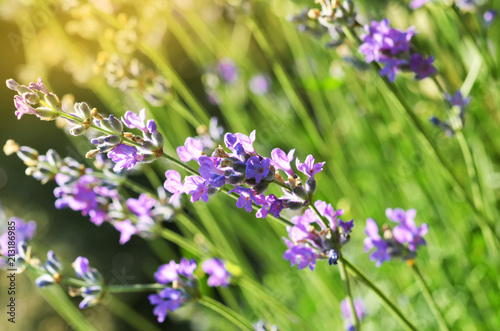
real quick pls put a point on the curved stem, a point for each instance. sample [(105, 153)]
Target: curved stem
[(353, 270), (428, 296), (227, 313)]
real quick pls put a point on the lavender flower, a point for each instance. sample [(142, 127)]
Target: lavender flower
[(167, 300), (24, 231), (309, 168), (126, 229), (257, 168), (135, 121), (173, 184), (195, 185), (125, 157), (346, 312), (415, 4), (228, 70), (281, 160), (191, 150), (392, 47), (457, 114), (402, 241), (219, 276), (311, 238)]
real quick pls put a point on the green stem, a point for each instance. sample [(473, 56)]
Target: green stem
[(134, 288), (353, 270), (226, 312), (345, 280), (428, 297), (129, 315)]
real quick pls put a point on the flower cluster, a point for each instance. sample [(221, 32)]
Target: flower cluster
[(347, 315), (124, 148), (249, 173), (402, 241), (184, 287), (392, 47), (98, 197), (456, 114), (317, 236)]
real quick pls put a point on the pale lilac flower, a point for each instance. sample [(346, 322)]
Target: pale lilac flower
[(134, 121), (281, 160), (399, 215), (126, 229), (167, 273), (374, 240), (141, 207), (219, 276), (228, 70), (309, 168), (186, 268), (23, 107), (210, 171), (195, 185), (125, 157), (24, 232), (167, 300), (192, 150), (415, 4), (302, 255), (173, 184), (39, 86)]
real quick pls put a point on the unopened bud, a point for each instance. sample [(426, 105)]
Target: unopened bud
[(46, 114), (92, 153), (31, 98), (12, 84), (77, 130), (313, 13), (10, 147), (53, 101), (82, 109), (95, 114)]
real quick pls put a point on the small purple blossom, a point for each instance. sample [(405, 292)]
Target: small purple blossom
[(415, 4), (173, 184), (125, 157), (167, 273), (24, 232), (228, 70), (126, 229), (134, 121), (309, 168), (141, 206), (192, 150), (301, 255), (186, 268), (381, 253), (457, 100), (218, 274), (421, 66), (281, 160), (167, 300), (23, 107), (210, 171), (257, 168), (240, 143), (195, 185)]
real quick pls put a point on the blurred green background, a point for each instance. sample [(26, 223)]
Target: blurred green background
[(318, 103)]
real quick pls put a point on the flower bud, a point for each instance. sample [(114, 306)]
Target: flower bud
[(31, 98), (112, 140), (115, 124), (53, 158), (12, 84), (82, 109), (10, 147), (77, 130), (311, 186), (53, 101), (46, 114)]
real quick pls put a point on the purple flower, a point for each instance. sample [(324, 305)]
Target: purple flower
[(282, 161), (245, 199), (84, 271), (489, 16), (167, 300), (167, 273), (192, 150), (345, 308), (228, 70), (421, 66), (195, 185), (141, 206), (219, 276), (308, 167), (407, 231), (457, 100), (209, 170), (302, 255), (23, 107), (173, 184), (80, 197), (415, 4), (124, 156), (391, 67), (134, 121), (186, 268), (374, 240), (275, 205), (257, 168), (24, 232), (259, 84), (240, 143), (127, 229)]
